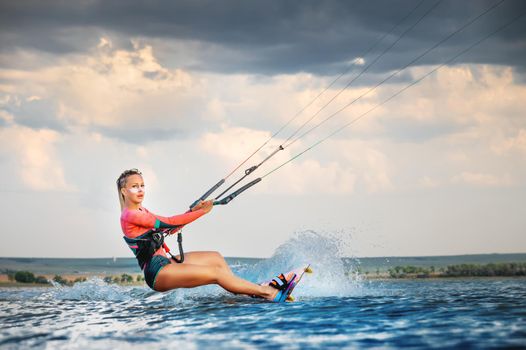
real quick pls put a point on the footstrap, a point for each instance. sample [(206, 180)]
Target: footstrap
[(280, 286)]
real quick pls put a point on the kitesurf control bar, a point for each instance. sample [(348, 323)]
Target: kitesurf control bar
[(208, 193), (233, 195), (247, 172), (223, 201)]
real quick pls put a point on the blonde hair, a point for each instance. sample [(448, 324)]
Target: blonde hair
[(121, 182)]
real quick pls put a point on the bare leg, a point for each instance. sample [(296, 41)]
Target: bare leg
[(188, 276), (206, 259)]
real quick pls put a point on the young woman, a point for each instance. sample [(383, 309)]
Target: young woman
[(160, 272)]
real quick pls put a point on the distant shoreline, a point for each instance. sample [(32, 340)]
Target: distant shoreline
[(24, 278), (111, 266)]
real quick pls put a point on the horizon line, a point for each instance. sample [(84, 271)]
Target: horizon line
[(246, 257)]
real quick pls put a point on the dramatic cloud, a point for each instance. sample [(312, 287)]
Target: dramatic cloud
[(127, 94), (264, 37)]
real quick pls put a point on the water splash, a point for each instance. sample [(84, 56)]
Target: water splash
[(323, 251)]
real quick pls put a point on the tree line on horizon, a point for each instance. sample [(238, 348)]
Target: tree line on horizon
[(513, 269)]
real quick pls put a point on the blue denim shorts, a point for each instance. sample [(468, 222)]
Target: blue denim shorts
[(152, 268)]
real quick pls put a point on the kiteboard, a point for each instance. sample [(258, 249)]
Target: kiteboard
[(292, 279)]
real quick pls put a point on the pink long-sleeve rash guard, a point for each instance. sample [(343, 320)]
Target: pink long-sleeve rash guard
[(135, 222)]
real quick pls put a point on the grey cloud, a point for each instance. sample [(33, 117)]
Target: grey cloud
[(520, 75), (141, 136), (270, 37), (155, 124), (36, 114)]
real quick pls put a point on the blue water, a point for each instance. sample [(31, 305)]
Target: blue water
[(335, 308)]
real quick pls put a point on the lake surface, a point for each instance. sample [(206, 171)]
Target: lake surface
[(335, 309), (462, 314)]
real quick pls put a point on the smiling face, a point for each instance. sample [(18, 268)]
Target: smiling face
[(133, 190)]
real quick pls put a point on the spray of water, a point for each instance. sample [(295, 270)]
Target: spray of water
[(323, 251)]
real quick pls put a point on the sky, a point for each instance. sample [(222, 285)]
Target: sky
[(186, 90)]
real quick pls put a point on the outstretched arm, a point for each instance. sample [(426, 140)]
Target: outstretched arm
[(180, 220), (177, 220)]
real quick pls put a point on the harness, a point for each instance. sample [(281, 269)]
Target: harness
[(145, 245)]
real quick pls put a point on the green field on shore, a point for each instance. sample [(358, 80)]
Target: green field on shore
[(384, 264)]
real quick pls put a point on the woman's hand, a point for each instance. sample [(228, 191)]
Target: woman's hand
[(205, 205)]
